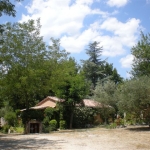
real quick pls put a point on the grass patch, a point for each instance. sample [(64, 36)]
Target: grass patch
[(19, 129)]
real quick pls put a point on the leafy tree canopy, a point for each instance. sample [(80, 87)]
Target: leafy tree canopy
[(7, 8), (134, 95), (105, 93), (22, 64), (141, 53)]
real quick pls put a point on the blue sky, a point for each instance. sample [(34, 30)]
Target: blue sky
[(116, 24)]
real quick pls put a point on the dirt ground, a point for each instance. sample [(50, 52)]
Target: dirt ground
[(130, 138)]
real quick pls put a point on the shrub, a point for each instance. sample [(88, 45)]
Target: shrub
[(46, 121), (53, 125), (45, 128), (5, 128), (19, 129), (62, 124), (11, 118)]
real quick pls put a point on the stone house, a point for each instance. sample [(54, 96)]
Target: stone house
[(35, 126)]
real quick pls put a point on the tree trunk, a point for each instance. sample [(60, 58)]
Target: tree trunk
[(71, 119)]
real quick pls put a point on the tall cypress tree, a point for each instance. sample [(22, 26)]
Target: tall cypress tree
[(94, 65)]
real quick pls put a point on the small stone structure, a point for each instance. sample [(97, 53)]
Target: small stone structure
[(2, 122), (33, 126)]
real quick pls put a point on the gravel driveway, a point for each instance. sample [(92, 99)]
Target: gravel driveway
[(131, 138)]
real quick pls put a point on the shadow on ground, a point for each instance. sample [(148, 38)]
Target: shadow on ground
[(139, 128), (7, 143)]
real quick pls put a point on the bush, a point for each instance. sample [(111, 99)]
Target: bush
[(53, 125), (62, 124), (45, 128), (5, 128), (112, 125), (19, 129), (11, 118)]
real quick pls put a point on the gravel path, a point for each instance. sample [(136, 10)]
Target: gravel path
[(85, 139)]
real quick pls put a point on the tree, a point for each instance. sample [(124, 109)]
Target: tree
[(105, 94), (22, 64), (7, 8), (96, 69), (134, 95), (111, 73), (93, 66), (141, 53), (66, 81), (70, 85)]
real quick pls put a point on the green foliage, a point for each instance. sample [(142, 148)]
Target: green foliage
[(22, 60), (96, 69), (112, 126), (5, 109), (46, 120), (92, 67), (49, 112), (141, 53), (110, 73), (30, 69), (19, 129), (7, 8), (105, 94), (45, 128), (31, 114), (5, 128), (53, 125), (11, 118), (69, 84), (119, 121), (62, 124), (83, 116), (134, 95), (2, 112)]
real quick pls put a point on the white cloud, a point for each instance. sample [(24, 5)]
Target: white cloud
[(59, 17), (65, 20), (121, 35), (78, 42), (89, 2), (125, 31), (117, 3), (128, 75), (111, 45), (126, 62)]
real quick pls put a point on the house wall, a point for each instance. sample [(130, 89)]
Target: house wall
[(2, 122)]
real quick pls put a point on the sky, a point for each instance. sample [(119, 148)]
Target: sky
[(116, 24)]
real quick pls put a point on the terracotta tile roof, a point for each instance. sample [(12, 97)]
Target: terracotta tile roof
[(49, 101), (41, 107), (50, 98), (91, 103)]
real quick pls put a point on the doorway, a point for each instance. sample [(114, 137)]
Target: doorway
[(34, 127)]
